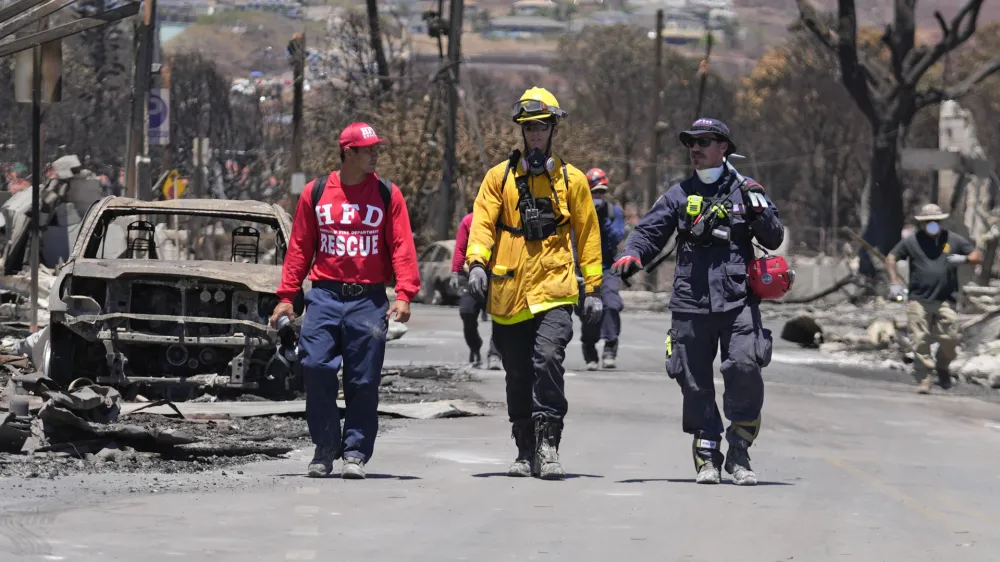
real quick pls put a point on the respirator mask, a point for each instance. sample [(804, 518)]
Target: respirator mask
[(536, 163)]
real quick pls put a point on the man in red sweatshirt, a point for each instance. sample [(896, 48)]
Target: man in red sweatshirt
[(350, 244), (468, 307)]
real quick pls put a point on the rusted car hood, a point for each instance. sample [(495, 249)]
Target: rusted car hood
[(256, 277)]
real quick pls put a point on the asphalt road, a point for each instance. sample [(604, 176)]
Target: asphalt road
[(853, 466)]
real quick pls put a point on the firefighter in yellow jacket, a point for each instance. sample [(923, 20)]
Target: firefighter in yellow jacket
[(527, 214)]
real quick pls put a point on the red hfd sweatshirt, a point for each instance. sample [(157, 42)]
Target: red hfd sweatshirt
[(461, 243), (345, 238)]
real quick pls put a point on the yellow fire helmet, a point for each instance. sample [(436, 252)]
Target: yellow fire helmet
[(535, 104)]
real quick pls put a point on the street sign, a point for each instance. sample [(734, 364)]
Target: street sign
[(174, 186), (51, 73), (159, 116)]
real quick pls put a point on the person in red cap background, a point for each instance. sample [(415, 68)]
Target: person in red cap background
[(351, 234), (468, 307)]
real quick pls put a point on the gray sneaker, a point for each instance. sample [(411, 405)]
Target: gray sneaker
[(738, 464), (708, 474), (322, 463), (609, 362), (592, 366), (354, 468)]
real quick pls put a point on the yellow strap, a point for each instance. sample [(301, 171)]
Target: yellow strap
[(531, 311), (480, 250), (670, 346), (592, 269)]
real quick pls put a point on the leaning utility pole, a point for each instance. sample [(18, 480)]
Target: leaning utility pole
[(297, 50), (444, 217)]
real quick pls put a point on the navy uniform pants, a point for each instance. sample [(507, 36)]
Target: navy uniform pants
[(532, 353), (469, 309), (745, 347), (610, 326), (350, 331)]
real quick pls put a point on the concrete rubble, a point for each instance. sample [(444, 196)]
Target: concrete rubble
[(876, 335)]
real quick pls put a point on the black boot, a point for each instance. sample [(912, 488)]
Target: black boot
[(707, 458), (740, 436), (548, 434), (475, 359), (523, 433)]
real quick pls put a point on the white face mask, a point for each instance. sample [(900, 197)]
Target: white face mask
[(932, 228), (710, 175)]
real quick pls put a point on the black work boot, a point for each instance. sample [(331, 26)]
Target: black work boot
[(944, 377), (523, 433), (548, 433), (707, 458), (740, 436), (590, 356)]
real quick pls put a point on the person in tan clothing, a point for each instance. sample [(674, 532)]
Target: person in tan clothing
[(934, 255)]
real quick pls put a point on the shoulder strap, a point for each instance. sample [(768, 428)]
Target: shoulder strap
[(319, 185), (385, 190)]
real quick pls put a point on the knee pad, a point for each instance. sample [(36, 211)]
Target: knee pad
[(743, 432)]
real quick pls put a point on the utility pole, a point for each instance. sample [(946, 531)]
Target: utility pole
[(655, 113), (297, 50), (703, 70), (36, 175), (654, 152), (135, 143), (444, 217)]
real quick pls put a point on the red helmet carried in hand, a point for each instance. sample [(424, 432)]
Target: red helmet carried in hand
[(770, 277)]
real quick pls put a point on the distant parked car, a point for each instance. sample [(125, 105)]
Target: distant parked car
[(435, 272)]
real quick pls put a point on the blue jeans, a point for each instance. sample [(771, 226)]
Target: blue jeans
[(350, 331)]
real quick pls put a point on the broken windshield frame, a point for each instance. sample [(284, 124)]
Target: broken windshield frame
[(171, 227)]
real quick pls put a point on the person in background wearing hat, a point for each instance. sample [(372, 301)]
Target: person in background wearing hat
[(716, 218), (934, 255), (611, 217), (529, 213), (351, 234)]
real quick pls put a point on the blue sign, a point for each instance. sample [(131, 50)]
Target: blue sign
[(159, 116)]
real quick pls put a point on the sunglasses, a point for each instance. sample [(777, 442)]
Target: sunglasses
[(536, 126), (703, 142)]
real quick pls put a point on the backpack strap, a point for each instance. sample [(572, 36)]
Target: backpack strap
[(385, 190), (319, 185)]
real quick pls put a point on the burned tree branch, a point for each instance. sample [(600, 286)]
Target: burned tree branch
[(962, 26)]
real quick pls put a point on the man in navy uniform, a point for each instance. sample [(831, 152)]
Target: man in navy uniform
[(716, 217)]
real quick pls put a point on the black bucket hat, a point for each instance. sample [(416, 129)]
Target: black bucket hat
[(705, 125)]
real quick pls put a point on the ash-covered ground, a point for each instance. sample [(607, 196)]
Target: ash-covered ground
[(275, 436)]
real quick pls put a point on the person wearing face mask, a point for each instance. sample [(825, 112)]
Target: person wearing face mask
[(611, 217), (934, 254), (529, 213), (717, 215)]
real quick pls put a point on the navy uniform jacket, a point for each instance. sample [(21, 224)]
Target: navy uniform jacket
[(708, 278)]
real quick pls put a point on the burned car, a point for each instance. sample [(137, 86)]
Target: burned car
[(135, 304)]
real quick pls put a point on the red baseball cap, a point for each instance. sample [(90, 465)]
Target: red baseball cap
[(358, 135)]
